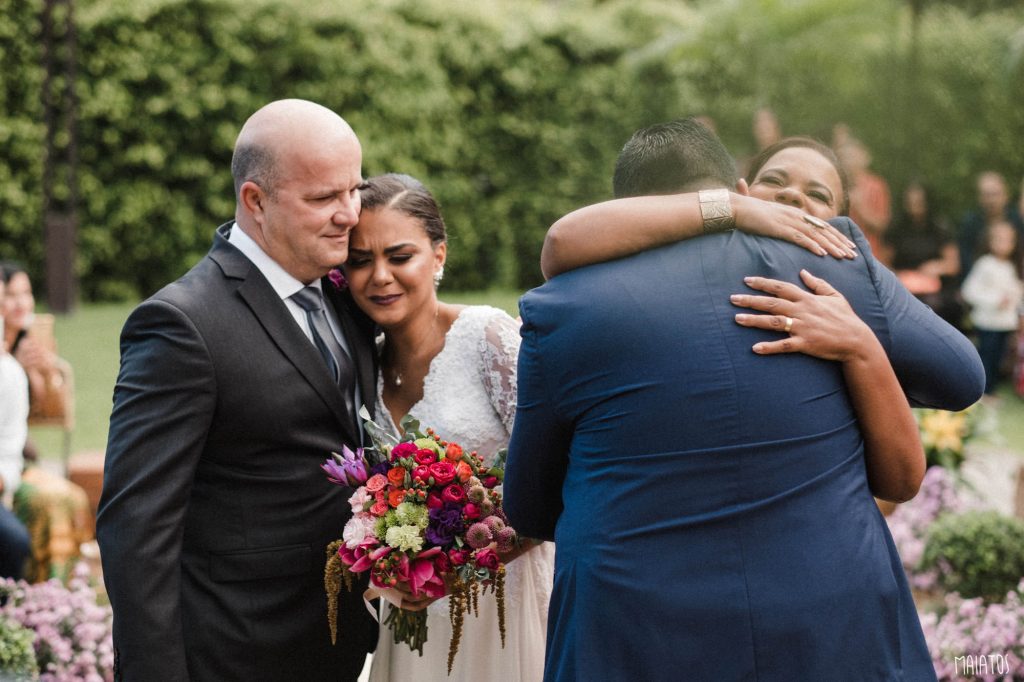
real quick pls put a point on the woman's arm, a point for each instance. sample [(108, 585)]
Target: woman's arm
[(622, 227), (822, 323)]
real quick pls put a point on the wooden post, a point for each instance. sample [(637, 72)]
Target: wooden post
[(60, 165)]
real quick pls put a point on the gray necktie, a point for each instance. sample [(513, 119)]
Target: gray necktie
[(311, 300)]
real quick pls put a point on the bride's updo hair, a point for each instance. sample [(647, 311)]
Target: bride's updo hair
[(408, 195)]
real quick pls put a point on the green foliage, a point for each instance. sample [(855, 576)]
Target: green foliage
[(17, 656), (978, 553), (512, 112)]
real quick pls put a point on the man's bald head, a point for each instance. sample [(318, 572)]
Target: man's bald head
[(278, 129)]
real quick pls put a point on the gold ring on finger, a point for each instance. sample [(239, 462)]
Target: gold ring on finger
[(789, 325)]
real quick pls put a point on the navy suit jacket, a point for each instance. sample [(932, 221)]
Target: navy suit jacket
[(647, 430)]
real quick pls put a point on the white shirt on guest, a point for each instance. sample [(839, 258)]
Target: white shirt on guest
[(994, 291), (285, 285), (13, 423)]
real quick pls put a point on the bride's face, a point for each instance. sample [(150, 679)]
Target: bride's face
[(391, 265), (800, 177)]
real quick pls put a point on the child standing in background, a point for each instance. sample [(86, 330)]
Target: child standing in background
[(994, 290)]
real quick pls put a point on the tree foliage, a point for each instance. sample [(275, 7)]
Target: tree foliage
[(512, 112)]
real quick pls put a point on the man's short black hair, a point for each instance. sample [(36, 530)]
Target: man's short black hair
[(673, 157)]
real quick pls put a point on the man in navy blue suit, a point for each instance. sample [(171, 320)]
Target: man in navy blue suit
[(710, 507)]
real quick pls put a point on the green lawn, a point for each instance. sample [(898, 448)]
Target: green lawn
[(88, 339)]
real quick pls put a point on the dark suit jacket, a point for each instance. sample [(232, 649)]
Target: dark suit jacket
[(215, 513), (710, 506)]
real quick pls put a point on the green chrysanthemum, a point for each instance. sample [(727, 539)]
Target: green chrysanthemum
[(405, 538), (409, 514)]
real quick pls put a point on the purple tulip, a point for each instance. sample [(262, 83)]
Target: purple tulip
[(348, 468)]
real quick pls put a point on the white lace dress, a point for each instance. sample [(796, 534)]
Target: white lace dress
[(469, 397)]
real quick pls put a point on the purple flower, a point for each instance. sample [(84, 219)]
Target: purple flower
[(381, 468), (444, 524), (337, 278), (348, 468)]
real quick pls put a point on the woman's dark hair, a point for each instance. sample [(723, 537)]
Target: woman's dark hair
[(10, 268), (406, 194), (758, 162)]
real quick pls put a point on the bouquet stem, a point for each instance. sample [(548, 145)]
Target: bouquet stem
[(408, 626)]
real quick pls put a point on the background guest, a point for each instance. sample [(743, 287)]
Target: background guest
[(870, 200), (993, 206), (14, 539), (924, 254), (994, 290), (33, 348)]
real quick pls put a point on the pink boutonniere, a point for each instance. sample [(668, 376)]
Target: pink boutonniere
[(337, 278)]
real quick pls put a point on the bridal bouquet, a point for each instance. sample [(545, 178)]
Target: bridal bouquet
[(427, 519)]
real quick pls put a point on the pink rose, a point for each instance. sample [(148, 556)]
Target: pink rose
[(379, 508), (401, 450), (443, 472), (471, 511), (425, 456), (421, 474), (490, 481), (376, 482), (454, 493), (434, 500), (458, 556), (488, 558)]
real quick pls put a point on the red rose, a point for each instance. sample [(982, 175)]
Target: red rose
[(442, 564), (396, 477), (471, 511), (488, 558), (401, 450), (490, 482), (421, 474), (454, 493), (458, 556), (425, 456), (443, 472), (434, 500)]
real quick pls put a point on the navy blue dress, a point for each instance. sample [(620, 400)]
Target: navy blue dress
[(710, 507)]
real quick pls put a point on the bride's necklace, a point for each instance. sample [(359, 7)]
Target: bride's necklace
[(396, 372)]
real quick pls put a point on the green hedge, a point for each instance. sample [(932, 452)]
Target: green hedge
[(511, 111)]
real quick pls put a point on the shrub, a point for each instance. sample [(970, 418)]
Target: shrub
[(978, 553), (17, 657), (968, 637), (72, 632)]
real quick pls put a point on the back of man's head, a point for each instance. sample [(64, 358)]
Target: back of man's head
[(673, 157)]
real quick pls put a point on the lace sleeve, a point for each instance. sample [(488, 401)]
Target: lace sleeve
[(500, 353)]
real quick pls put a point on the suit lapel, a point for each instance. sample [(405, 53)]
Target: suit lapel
[(272, 314)]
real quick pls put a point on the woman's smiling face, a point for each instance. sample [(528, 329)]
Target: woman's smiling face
[(801, 177)]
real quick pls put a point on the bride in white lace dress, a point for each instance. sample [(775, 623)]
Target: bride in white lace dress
[(453, 368)]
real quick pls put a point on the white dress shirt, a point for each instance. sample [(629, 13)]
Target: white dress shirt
[(285, 286), (13, 423)]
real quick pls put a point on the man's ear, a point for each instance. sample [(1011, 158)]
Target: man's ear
[(252, 198), (741, 187)]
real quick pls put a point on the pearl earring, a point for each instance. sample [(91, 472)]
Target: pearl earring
[(438, 276)]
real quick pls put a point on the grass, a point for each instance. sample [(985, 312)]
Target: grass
[(88, 339)]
